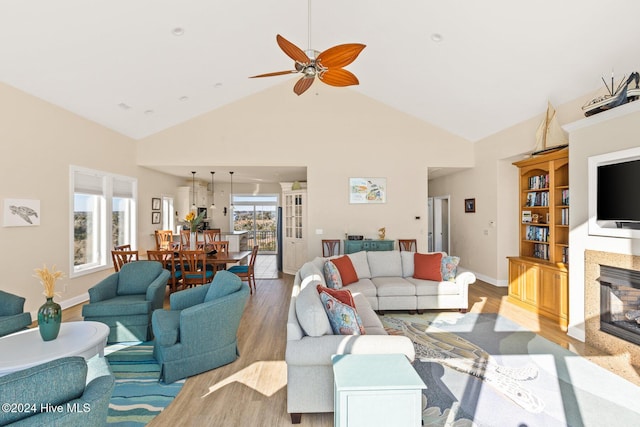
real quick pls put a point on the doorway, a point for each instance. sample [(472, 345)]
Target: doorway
[(257, 214), (438, 233)]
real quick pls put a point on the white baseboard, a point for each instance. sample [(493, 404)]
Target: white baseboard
[(491, 280), (66, 304)]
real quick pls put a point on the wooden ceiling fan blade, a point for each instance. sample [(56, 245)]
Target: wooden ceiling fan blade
[(302, 85), (277, 73), (292, 51), (341, 55), (339, 77)]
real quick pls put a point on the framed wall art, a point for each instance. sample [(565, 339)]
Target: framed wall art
[(155, 217), (21, 212), (155, 204), (367, 190), (469, 205)]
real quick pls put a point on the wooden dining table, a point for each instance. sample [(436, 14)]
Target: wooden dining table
[(228, 257)]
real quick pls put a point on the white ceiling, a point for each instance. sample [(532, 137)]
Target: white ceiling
[(498, 63)]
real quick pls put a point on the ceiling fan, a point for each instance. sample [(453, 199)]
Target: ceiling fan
[(326, 65)]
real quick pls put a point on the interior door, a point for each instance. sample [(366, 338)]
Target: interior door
[(438, 232)]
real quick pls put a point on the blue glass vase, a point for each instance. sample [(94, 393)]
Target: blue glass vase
[(49, 318)]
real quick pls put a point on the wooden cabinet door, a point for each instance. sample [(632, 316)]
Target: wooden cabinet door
[(553, 292), (517, 277)]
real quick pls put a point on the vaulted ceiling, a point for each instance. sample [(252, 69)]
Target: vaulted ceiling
[(469, 67)]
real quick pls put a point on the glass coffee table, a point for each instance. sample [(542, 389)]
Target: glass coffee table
[(24, 349)]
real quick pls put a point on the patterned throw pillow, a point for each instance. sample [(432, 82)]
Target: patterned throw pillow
[(449, 267), (332, 275), (343, 318), (342, 295)]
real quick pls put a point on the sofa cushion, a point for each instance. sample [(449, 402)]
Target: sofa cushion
[(360, 263), (432, 287), (344, 318), (427, 266), (348, 273), (407, 263), (332, 275), (311, 269), (449, 267), (310, 312), (393, 286), (342, 295), (364, 287), (125, 305), (385, 263)]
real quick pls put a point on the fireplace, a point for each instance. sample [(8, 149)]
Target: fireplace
[(620, 302)]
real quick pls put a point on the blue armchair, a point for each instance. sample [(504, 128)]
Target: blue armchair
[(125, 300), (12, 317), (61, 387), (199, 333)]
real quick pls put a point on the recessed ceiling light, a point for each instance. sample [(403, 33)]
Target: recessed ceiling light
[(184, 98), (123, 106), (148, 112), (436, 37), (217, 85), (177, 31)]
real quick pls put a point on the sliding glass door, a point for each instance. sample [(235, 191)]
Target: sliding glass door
[(259, 216)]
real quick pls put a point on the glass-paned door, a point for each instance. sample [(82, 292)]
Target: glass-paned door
[(259, 216)]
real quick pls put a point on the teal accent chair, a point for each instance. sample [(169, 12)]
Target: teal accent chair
[(60, 383), (12, 315), (199, 332), (125, 300)]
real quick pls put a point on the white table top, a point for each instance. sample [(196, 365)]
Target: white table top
[(24, 349), (379, 371)]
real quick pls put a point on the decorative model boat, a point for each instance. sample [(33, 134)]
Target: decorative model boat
[(550, 135), (614, 98)]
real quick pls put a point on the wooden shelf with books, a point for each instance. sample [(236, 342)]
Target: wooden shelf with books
[(538, 276)]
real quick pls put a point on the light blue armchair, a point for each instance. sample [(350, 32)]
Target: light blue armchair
[(60, 388), (125, 300), (12, 317), (199, 333)]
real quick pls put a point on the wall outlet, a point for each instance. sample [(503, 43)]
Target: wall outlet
[(485, 232)]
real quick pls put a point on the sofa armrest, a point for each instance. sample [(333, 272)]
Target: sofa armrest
[(188, 297), (156, 290), (318, 350), (465, 278), (105, 289)]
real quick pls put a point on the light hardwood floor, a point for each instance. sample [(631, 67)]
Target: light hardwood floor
[(252, 390)]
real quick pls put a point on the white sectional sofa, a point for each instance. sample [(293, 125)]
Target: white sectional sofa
[(385, 282)]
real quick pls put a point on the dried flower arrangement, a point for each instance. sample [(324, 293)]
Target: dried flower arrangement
[(48, 279)]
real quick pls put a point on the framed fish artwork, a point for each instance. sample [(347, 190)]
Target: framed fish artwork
[(21, 212)]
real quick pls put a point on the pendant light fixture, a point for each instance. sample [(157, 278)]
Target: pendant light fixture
[(193, 190), (213, 193), (231, 173)]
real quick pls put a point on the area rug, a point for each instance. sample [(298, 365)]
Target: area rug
[(138, 395), (485, 370)]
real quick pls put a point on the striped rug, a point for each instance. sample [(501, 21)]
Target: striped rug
[(138, 395)]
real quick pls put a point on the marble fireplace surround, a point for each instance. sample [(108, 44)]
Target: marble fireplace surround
[(593, 335)]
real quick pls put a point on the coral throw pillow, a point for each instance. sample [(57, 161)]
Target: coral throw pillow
[(427, 266), (342, 295), (343, 318), (347, 270)]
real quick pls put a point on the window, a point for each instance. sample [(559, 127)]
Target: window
[(168, 217), (104, 212)]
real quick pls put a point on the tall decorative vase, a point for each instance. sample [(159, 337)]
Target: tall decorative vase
[(49, 319), (193, 240)]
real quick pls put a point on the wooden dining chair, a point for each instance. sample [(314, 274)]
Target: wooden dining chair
[(211, 235), (169, 262), (122, 248), (120, 258), (247, 272), (164, 240), (221, 247), (194, 271), (409, 245), (330, 247)]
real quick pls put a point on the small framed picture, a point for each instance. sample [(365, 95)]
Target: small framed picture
[(155, 217), (469, 205), (155, 204)]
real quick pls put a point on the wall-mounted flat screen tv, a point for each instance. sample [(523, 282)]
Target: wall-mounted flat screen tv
[(618, 192)]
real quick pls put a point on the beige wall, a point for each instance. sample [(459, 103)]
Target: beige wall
[(336, 133), (38, 142)]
